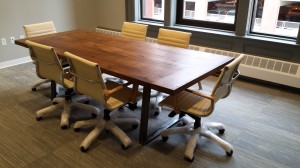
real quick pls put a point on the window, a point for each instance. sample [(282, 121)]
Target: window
[(276, 17), (189, 10), (152, 9), (279, 18), (206, 13)]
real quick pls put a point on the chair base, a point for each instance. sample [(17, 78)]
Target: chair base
[(106, 124), (67, 105), (39, 83), (204, 130), (159, 97)]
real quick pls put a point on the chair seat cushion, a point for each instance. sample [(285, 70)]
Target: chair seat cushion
[(190, 103), (120, 97)]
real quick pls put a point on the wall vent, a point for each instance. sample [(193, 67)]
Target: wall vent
[(106, 31), (259, 67), (151, 40)]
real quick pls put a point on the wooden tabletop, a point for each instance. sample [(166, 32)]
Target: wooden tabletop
[(164, 68)]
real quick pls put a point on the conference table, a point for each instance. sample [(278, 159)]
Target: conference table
[(154, 66)]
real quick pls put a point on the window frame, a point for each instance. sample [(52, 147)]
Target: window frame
[(200, 23), (252, 22), (142, 15)]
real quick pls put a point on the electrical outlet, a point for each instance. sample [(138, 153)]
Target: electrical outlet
[(12, 40), (3, 41), (22, 36)]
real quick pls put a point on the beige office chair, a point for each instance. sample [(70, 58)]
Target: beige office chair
[(48, 66), (89, 81), (176, 39), (38, 29), (133, 31), (199, 104)]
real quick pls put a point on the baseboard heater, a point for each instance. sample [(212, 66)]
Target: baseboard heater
[(253, 66)]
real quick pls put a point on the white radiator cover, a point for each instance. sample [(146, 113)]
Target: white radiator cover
[(258, 67), (267, 69)]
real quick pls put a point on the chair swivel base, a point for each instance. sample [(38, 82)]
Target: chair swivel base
[(67, 105), (39, 83), (204, 130), (107, 124)]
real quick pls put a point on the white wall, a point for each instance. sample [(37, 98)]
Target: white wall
[(67, 15), (111, 14)]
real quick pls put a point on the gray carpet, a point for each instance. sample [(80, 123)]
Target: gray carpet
[(262, 124)]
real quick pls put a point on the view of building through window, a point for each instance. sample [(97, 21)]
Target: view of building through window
[(153, 9), (210, 10), (274, 17), (277, 17)]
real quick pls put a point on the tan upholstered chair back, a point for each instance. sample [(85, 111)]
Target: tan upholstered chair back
[(174, 38), (87, 77), (229, 73), (47, 63), (38, 29), (134, 30)]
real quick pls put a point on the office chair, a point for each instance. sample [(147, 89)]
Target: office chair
[(197, 105), (88, 80), (39, 29), (176, 39), (48, 66), (133, 31)]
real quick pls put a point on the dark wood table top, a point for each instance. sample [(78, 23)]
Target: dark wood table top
[(164, 68)]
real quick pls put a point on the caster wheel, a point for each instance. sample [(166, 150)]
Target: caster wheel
[(86, 102), (33, 89), (64, 127), (172, 114), (124, 148), (132, 106), (121, 109), (156, 113), (188, 159), (165, 138), (229, 153), (94, 115), (83, 149), (38, 118), (221, 131), (76, 129), (135, 126)]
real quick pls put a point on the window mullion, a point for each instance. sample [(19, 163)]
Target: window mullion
[(242, 24), (170, 12)]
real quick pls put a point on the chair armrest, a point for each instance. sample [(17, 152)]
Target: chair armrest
[(201, 94), (234, 77), (109, 92)]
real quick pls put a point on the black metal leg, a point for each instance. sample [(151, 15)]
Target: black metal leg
[(53, 90), (144, 137), (145, 115)]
